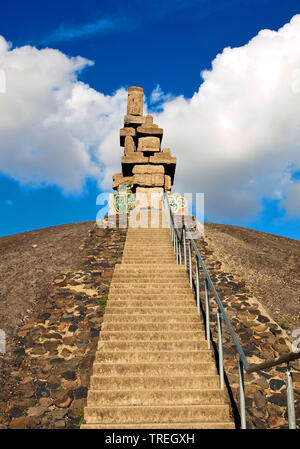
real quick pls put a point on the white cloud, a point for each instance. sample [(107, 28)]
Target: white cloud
[(104, 25), (52, 126), (237, 136), (236, 139), (291, 202), (158, 96)]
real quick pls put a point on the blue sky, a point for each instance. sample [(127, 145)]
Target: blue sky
[(165, 43)]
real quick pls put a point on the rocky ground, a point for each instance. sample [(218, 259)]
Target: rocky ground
[(45, 373), (261, 338), (269, 264), (28, 264)]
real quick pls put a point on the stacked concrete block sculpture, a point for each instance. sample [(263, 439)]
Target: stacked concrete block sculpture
[(146, 167)]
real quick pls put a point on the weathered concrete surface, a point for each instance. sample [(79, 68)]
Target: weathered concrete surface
[(124, 132), (162, 158), (148, 169), (142, 138), (134, 158), (119, 179), (168, 183), (129, 145), (148, 143), (134, 119), (149, 180), (135, 101), (149, 130)]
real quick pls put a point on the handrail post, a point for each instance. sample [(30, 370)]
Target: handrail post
[(169, 221), (290, 398), (207, 312), (174, 238), (197, 285), (220, 349), (242, 395), (179, 252), (184, 249), (190, 264)]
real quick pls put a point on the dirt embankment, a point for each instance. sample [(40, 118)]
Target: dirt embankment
[(55, 283), (269, 264), (28, 264)]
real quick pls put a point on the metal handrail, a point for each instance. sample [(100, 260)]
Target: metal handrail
[(243, 363), (221, 307), (288, 357)]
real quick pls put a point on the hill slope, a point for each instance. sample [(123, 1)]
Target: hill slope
[(269, 264), (29, 261), (53, 288)]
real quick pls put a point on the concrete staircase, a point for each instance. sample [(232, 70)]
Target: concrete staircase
[(152, 367)]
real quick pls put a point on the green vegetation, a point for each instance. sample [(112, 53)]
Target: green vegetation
[(80, 416), (102, 302), (283, 325)]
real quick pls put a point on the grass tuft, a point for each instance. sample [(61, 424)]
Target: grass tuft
[(103, 301), (284, 324)]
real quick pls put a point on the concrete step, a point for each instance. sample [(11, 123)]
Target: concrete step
[(149, 233), (153, 327), (201, 382), (148, 276), (158, 232), (155, 268), (145, 238), (148, 241), (140, 255), (158, 279), (154, 303), (175, 425), (165, 296), (166, 286), (130, 288), (149, 287), (154, 369), (153, 356), (156, 258), (152, 335), (155, 414), (112, 309), (149, 253), (159, 247), (145, 261), (158, 345), (145, 272), (151, 268), (156, 255), (149, 249), (169, 319), (154, 397)]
